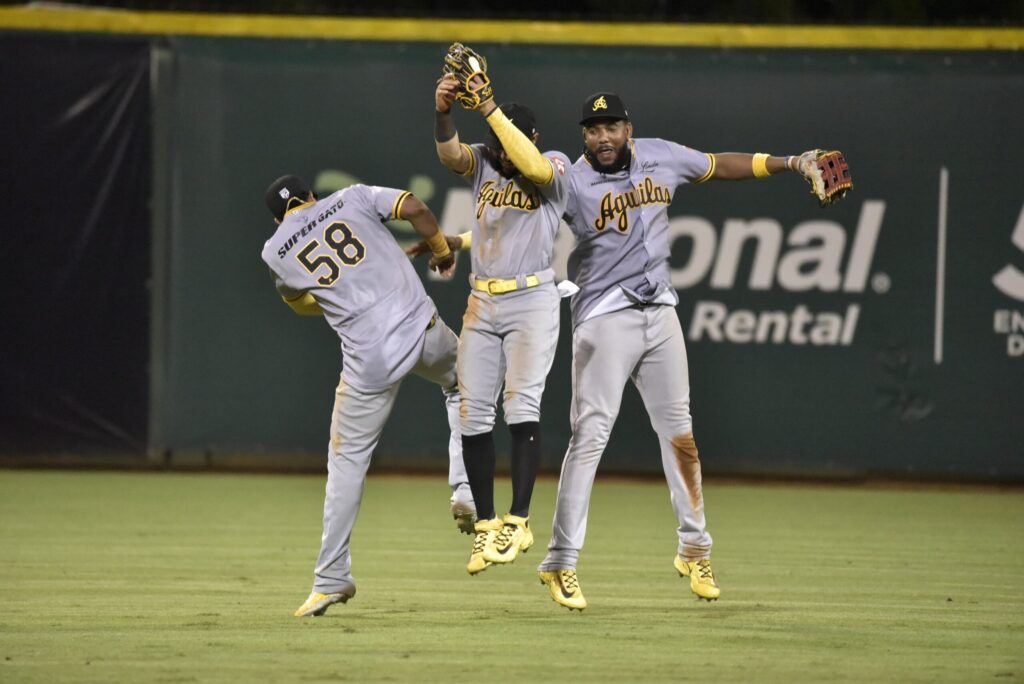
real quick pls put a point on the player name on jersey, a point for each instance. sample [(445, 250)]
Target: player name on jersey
[(614, 208), (308, 228)]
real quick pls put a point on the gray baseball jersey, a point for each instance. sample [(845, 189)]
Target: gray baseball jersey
[(516, 221), (509, 339), (340, 251), (625, 328), (620, 222)]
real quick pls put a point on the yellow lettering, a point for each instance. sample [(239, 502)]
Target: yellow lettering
[(616, 209), (508, 196)]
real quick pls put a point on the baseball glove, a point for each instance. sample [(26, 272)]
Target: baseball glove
[(828, 174), (466, 65)]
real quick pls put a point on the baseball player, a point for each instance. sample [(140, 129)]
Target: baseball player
[(334, 257), (511, 324), (625, 327)]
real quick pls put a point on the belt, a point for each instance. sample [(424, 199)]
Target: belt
[(497, 286)]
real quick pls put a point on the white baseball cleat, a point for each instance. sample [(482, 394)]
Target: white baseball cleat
[(462, 509)]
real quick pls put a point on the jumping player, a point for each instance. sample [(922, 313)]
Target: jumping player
[(625, 327), (511, 324), (336, 258)]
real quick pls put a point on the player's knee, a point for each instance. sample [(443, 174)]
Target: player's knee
[(591, 435), (475, 417), (673, 419), (520, 408)]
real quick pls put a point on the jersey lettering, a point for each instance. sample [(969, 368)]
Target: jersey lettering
[(308, 228), (509, 196), (614, 209), (348, 248)]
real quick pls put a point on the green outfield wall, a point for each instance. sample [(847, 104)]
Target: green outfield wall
[(883, 336)]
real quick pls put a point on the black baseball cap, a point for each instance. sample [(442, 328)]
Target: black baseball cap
[(286, 193), (603, 106), (521, 117)]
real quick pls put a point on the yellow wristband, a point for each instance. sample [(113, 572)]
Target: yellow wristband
[(760, 165), (438, 245), (467, 239)]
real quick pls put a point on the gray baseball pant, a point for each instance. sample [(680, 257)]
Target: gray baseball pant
[(645, 345), (508, 338), (356, 425)]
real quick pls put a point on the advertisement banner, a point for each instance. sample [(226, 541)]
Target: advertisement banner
[(884, 335)]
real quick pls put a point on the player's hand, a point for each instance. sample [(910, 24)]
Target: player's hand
[(488, 105), (444, 96), (445, 266), (421, 247)]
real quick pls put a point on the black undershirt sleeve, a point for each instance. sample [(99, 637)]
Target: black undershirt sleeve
[(444, 126)]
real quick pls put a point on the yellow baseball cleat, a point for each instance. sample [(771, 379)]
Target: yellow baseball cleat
[(513, 537), (317, 603), (702, 579), (564, 588), (486, 531)]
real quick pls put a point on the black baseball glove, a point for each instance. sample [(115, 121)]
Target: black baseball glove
[(470, 69)]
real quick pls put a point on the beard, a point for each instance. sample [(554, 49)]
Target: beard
[(494, 159), (622, 159)]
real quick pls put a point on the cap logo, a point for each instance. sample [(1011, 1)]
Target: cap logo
[(283, 192), (599, 103)]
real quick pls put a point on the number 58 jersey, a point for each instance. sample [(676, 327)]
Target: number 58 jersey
[(339, 250)]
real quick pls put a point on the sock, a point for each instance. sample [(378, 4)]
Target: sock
[(478, 455), (525, 463)]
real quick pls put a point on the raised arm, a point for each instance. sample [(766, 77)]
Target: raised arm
[(453, 154), (519, 148)]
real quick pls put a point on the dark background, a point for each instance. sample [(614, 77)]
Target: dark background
[(77, 164)]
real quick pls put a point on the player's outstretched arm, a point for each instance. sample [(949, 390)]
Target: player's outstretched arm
[(450, 151), (423, 222), (827, 172), (740, 166)]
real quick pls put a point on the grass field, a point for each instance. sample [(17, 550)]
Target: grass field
[(192, 578)]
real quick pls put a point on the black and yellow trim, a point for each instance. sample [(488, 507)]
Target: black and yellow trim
[(77, 19), (290, 209), (711, 169), (472, 160), (396, 209)]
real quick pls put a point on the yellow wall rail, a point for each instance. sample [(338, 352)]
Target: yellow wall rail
[(52, 18)]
